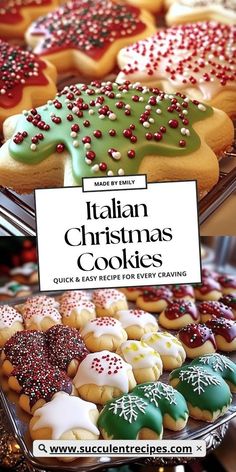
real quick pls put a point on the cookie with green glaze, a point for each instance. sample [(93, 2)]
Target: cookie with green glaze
[(130, 417), (206, 393), (221, 365), (108, 129)]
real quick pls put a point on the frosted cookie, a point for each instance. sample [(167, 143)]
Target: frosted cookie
[(227, 282), (183, 292), (171, 403), (222, 365), (211, 309), (130, 417), (230, 301), (196, 59), (146, 362), (103, 333), (66, 348), (190, 11), (102, 376), (74, 296), (132, 293), (13, 289), (75, 311), (209, 290), (155, 299), (10, 322), (225, 333), (68, 41), (108, 301), (178, 314), (207, 394), (197, 340), (136, 322), (98, 130), (208, 273), (168, 346), (78, 421), (27, 273), (37, 384), (40, 313)]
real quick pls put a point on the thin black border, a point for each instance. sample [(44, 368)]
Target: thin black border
[(116, 177)]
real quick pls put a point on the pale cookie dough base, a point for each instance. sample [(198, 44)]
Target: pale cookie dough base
[(144, 433), (171, 362), (228, 290), (102, 394), (223, 345), (104, 342), (131, 296), (44, 325), (136, 332), (113, 308), (172, 424), (7, 333), (155, 306), (214, 295), (78, 319), (206, 348), (150, 374), (176, 323)]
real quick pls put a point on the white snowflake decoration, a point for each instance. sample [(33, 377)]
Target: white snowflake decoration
[(216, 362), (199, 378), (154, 393), (128, 407)]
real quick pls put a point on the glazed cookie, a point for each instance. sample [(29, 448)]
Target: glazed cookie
[(227, 282), (66, 348), (211, 309), (10, 322), (222, 365), (178, 314), (13, 289), (136, 322), (209, 290), (86, 37), (130, 417), (208, 273), (75, 311), (168, 346), (196, 59), (171, 403), (102, 376), (225, 333), (132, 293), (27, 273), (183, 292), (155, 299), (108, 301), (40, 316), (207, 394), (106, 129), (230, 301), (103, 333), (145, 361), (197, 340), (190, 11), (74, 296)]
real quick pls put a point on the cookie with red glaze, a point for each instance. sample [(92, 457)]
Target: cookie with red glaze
[(209, 290), (214, 308), (228, 284), (183, 292), (225, 333), (154, 299), (197, 340), (179, 314), (132, 293), (230, 301)]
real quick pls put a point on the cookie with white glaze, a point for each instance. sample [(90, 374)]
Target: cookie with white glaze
[(154, 299), (215, 309), (168, 347), (13, 289), (191, 11), (197, 340), (10, 322), (40, 313), (102, 376), (76, 310), (178, 314), (208, 290), (136, 322), (102, 333), (222, 365), (108, 301), (146, 362), (225, 333), (25, 274)]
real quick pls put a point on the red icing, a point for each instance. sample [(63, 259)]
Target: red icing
[(16, 65), (223, 327), (108, 364), (208, 273), (195, 335), (180, 291), (155, 294), (87, 26), (229, 300), (227, 281), (208, 285), (177, 309), (10, 10), (217, 309)]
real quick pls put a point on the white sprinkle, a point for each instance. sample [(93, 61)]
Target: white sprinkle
[(87, 146), (141, 99), (201, 107), (95, 168), (33, 147), (146, 124), (73, 134), (101, 117), (185, 112), (3, 91), (25, 112), (110, 173), (151, 120), (183, 131), (158, 111), (148, 107), (118, 95), (91, 112), (76, 143), (88, 161), (112, 116), (127, 107), (75, 109), (121, 172), (116, 155)]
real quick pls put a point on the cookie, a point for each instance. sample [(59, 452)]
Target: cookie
[(40, 313), (13, 289), (154, 299), (178, 314), (132, 293), (208, 273), (85, 37), (108, 301), (227, 282), (183, 292), (146, 362), (209, 290), (225, 333), (10, 322), (196, 59), (74, 296), (148, 5), (190, 11), (130, 417), (125, 135), (136, 322), (76, 311), (171, 403), (222, 365), (27, 273), (214, 309), (230, 301), (168, 346), (197, 340), (103, 333), (207, 395), (102, 376)]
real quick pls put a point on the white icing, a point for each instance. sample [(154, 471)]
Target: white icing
[(164, 343), (188, 8), (38, 308), (106, 361), (64, 413), (105, 298), (67, 308), (8, 316), (26, 269), (136, 318), (7, 290), (140, 355), (101, 326), (75, 295)]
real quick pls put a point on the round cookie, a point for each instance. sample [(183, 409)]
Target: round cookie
[(215, 309), (225, 333), (40, 316), (136, 322), (103, 333), (130, 417), (10, 322), (102, 376), (171, 403), (145, 361), (108, 301), (230, 301), (209, 290), (190, 11), (168, 347), (25, 274), (132, 293), (227, 283), (207, 394), (209, 274), (74, 295), (39, 301), (183, 292), (178, 314), (66, 348), (197, 340), (13, 289), (154, 299), (222, 365), (76, 311)]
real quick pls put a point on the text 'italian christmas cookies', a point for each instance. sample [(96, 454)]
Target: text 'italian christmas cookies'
[(196, 59), (168, 347), (86, 36), (178, 314), (222, 365), (102, 376), (146, 363), (136, 322), (188, 11), (102, 333), (10, 322), (106, 129)]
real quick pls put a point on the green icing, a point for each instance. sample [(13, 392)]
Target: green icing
[(169, 400), (221, 365), (125, 416), (20, 147), (202, 388)]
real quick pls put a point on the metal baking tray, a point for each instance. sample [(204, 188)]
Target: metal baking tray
[(19, 420)]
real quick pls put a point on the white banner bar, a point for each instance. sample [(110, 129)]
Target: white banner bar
[(124, 182)]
